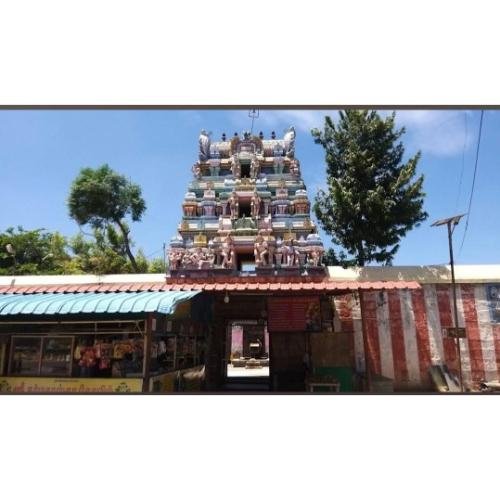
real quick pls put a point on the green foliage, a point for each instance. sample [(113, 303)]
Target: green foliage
[(103, 198), (38, 252), (372, 199), (330, 258), (157, 265), (99, 255), (105, 253), (142, 262), (100, 196), (33, 252)]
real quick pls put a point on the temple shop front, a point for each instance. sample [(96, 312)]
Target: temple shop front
[(118, 342)]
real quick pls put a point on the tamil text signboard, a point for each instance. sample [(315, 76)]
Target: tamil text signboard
[(69, 385)]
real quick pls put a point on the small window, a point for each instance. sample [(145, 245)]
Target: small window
[(56, 357), (48, 356), (25, 355)]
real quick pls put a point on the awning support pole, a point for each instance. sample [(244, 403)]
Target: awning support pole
[(148, 334), (365, 341)]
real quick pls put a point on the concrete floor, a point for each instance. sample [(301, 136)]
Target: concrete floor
[(262, 371)]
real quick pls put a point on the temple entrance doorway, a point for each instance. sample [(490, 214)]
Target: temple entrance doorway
[(247, 348)]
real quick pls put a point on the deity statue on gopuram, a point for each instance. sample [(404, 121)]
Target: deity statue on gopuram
[(246, 212)]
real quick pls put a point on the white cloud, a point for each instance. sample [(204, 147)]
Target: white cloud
[(440, 133), (303, 120), (191, 116)]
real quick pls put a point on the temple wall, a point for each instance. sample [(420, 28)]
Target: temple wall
[(404, 337)]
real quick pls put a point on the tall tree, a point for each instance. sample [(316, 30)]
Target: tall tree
[(33, 252), (372, 198), (98, 255), (103, 198)]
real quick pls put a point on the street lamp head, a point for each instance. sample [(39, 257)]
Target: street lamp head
[(454, 220)]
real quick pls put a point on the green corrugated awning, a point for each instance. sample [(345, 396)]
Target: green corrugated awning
[(92, 303)]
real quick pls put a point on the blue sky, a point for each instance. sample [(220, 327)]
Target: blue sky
[(41, 152)]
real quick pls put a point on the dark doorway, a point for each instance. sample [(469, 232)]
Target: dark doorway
[(246, 262), (244, 208), (245, 170)]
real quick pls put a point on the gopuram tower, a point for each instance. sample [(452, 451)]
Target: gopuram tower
[(246, 212)]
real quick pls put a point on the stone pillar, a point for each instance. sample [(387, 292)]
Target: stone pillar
[(266, 340), (237, 340)]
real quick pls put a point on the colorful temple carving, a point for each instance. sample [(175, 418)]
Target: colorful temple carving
[(246, 210)]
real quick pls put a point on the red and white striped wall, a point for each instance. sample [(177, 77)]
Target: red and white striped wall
[(403, 335)]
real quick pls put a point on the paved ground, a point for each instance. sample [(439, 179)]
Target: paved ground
[(247, 372)]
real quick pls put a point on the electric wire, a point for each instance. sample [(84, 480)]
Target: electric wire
[(463, 162), (473, 180), (154, 253)]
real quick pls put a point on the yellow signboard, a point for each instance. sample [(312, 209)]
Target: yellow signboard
[(69, 385), (163, 383)]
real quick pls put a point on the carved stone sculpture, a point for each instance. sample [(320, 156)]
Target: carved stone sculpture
[(254, 168), (278, 164), (204, 142), (289, 140), (210, 257), (235, 166), (314, 255), (196, 256), (255, 205), (295, 167), (203, 258), (261, 251), (196, 171), (227, 252), (175, 258), (290, 254), (233, 205), (186, 259)]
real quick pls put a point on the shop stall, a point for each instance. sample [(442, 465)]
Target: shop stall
[(102, 342)]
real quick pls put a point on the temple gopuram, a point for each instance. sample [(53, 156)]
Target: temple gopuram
[(246, 212)]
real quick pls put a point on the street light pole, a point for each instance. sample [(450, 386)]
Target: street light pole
[(455, 308), (451, 222)]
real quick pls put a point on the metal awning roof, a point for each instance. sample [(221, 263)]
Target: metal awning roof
[(229, 286), (91, 302)]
